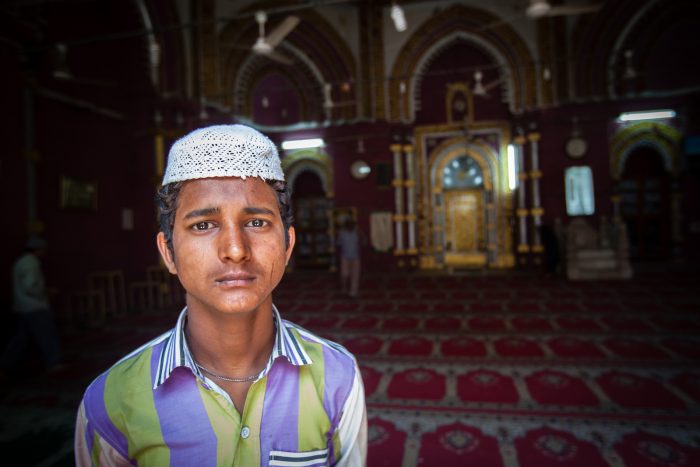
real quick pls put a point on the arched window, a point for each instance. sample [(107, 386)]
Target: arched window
[(462, 173)]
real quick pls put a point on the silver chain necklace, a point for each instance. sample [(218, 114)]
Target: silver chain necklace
[(245, 379)]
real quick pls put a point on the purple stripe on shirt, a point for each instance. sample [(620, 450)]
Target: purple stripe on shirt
[(280, 414), (96, 412), (339, 371), (186, 428)]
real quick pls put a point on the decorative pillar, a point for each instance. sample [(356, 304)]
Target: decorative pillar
[(398, 198), (410, 184), (159, 154), (535, 175), (521, 211)]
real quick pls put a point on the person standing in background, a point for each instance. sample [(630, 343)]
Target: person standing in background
[(34, 316), (349, 239)]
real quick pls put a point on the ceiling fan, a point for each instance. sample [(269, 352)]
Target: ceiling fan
[(265, 45), (542, 8), (480, 89), (538, 9), (56, 59)]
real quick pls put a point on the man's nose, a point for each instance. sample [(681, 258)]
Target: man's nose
[(233, 244)]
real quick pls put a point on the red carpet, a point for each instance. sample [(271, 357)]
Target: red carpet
[(461, 370), (463, 347), (630, 390), (546, 447), (557, 388), (486, 386), (518, 347), (418, 383), (385, 443), (572, 347), (642, 449), (459, 444)]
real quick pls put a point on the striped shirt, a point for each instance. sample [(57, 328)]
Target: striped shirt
[(155, 408)]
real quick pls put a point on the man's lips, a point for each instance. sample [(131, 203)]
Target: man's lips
[(235, 279)]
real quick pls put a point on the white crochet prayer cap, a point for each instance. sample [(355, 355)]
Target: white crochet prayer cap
[(223, 151)]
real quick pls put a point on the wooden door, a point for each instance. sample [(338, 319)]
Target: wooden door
[(645, 204), (464, 228)]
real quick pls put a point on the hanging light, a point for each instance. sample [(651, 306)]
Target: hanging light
[(546, 73), (60, 68), (479, 89), (398, 16), (327, 99), (538, 8)]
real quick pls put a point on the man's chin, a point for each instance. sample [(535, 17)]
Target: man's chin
[(242, 304)]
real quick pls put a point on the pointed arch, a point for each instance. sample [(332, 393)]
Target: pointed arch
[(663, 138), (320, 56), (508, 49)]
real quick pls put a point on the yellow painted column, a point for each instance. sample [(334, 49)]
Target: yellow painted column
[(521, 211), (396, 149), (535, 175), (410, 186)]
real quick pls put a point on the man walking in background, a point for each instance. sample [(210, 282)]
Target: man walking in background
[(35, 322)]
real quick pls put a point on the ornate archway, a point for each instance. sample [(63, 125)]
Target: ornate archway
[(466, 224), (312, 208), (645, 163), (664, 138), (509, 51)]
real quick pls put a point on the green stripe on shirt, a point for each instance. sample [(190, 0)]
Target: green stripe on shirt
[(312, 416), (130, 406)]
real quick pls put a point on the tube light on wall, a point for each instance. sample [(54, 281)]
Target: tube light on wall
[(302, 144), (646, 115), (512, 169), (398, 17)]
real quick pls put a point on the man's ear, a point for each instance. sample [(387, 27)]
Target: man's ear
[(290, 245), (165, 252)]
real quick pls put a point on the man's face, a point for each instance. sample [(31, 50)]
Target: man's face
[(229, 245)]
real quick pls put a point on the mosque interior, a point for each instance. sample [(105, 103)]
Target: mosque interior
[(502, 158)]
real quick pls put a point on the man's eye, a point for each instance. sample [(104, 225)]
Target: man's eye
[(257, 223), (202, 226)]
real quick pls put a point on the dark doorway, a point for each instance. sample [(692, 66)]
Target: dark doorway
[(311, 212), (645, 204)]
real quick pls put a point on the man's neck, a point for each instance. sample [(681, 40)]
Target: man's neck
[(231, 345)]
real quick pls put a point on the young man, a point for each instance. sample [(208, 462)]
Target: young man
[(232, 383)]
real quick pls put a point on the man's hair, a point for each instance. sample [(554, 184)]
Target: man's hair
[(167, 200)]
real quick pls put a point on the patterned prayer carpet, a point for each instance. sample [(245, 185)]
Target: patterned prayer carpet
[(466, 369)]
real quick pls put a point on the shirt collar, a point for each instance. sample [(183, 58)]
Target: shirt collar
[(176, 353)]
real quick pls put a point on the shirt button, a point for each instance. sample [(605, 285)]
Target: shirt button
[(245, 432)]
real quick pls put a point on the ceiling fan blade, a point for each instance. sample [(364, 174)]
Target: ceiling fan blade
[(493, 84), (278, 57), (566, 10), (281, 31), (233, 45)]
